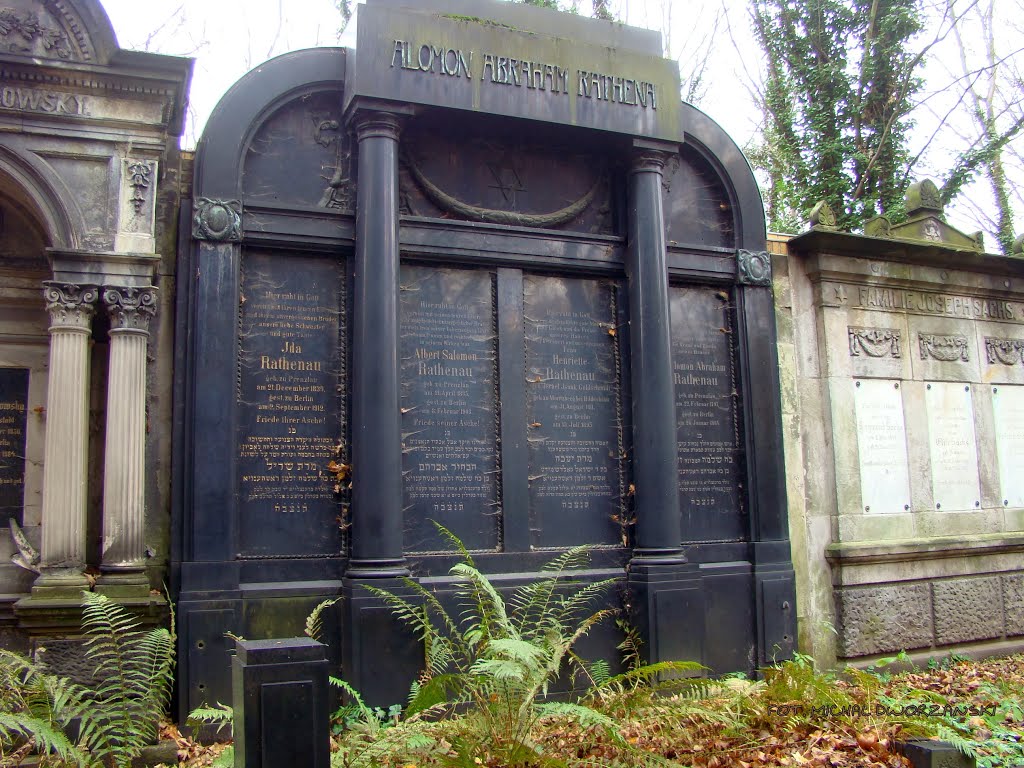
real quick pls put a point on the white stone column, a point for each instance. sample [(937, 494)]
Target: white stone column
[(65, 468), (124, 474)]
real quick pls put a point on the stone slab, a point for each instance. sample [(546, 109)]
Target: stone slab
[(881, 619), (1008, 409), (882, 447), (449, 407), (952, 445), (574, 411), (1013, 603), (967, 609), (13, 422), (470, 62), (291, 420), (707, 428)]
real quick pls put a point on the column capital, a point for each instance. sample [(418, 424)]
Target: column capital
[(652, 156), (70, 305), (130, 309), (377, 124)]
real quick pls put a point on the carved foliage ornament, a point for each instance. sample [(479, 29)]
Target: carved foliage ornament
[(70, 305), (130, 308), (1005, 351), (219, 220), (23, 25), (754, 267), (138, 178), (874, 342), (948, 349)]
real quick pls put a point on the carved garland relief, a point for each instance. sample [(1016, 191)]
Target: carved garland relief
[(1005, 351), (947, 349), (874, 342)]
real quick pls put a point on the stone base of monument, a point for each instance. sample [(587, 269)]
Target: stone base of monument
[(280, 700), (925, 753), (380, 655)]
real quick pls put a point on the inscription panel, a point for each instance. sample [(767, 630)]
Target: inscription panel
[(13, 415), (707, 427), (574, 411), (449, 407), (1008, 408), (953, 449), (881, 447), (291, 420)]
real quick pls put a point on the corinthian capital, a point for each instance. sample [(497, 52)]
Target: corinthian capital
[(130, 308), (70, 305)]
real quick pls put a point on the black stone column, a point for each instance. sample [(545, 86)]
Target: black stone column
[(666, 594), (379, 654), (655, 471), (376, 427)]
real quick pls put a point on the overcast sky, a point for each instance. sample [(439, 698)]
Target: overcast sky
[(227, 38)]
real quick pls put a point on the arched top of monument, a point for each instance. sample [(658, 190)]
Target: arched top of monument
[(250, 103), (718, 150), (27, 185), (72, 31)]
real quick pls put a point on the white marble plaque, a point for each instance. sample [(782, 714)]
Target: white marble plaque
[(954, 450), (1008, 409), (882, 446)]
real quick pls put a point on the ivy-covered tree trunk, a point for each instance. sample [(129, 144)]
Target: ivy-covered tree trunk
[(838, 91)]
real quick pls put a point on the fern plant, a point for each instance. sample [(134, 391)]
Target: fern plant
[(35, 709), (499, 661), (135, 673)]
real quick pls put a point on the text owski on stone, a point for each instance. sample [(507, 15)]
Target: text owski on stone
[(39, 100), (535, 75)]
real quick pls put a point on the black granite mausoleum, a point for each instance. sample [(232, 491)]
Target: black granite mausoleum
[(489, 261)]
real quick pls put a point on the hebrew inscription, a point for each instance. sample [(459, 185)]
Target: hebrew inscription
[(290, 369), (574, 411), (881, 447), (1008, 409), (707, 427), (13, 414), (449, 407), (954, 451)]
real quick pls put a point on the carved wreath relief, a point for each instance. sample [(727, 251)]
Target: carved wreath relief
[(217, 220), (754, 267), (948, 349), (874, 342), (1005, 351)]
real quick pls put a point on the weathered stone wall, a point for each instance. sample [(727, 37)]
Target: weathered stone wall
[(901, 371)]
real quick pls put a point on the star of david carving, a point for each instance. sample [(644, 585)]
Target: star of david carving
[(507, 181)]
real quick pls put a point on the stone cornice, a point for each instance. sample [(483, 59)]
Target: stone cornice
[(89, 78), (897, 551)]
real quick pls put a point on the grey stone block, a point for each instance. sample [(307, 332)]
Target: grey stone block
[(1013, 603), (895, 617), (967, 609), (923, 753)]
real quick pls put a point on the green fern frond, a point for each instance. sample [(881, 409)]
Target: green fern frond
[(586, 716), (456, 543), (218, 714), (314, 622), (48, 737)]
